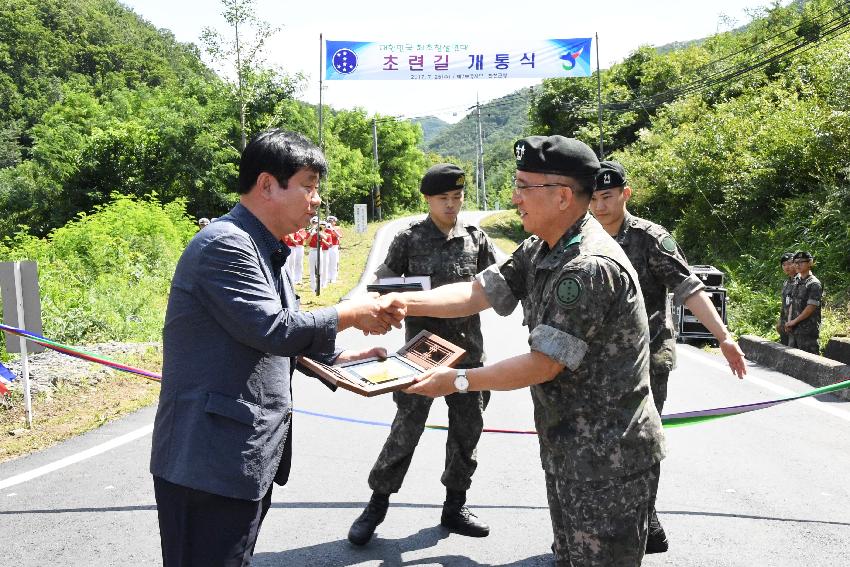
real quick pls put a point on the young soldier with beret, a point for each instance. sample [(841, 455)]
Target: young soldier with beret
[(447, 250), (661, 268), (803, 324), (790, 269), (588, 363)]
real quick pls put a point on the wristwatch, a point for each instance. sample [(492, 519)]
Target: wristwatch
[(461, 382)]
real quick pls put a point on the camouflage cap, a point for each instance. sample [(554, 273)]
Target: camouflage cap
[(786, 257), (556, 155), (803, 255)]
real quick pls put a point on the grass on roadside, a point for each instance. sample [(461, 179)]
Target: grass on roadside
[(505, 230), (354, 252), (70, 410)]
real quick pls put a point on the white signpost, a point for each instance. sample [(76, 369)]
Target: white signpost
[(21, 309), (360, 218)]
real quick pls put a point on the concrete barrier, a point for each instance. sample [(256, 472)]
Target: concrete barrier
[(812, 369), (838, 348)]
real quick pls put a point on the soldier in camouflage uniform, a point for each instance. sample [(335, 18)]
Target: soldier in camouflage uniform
[(803, 324), (790, 269), (446, 250), (588, 366), (662, 268)]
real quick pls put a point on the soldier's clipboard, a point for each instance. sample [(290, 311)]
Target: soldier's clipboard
[(374, 376), (389, 288)]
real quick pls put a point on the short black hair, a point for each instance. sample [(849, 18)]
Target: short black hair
[(586, 186), (281, 154)]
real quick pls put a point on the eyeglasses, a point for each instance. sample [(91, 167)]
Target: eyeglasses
[(521, 187)]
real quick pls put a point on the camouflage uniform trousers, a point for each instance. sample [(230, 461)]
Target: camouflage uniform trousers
[(466, 421), (807, 341), (601, 523)]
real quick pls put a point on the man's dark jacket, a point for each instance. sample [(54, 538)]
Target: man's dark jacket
[(232, 330)]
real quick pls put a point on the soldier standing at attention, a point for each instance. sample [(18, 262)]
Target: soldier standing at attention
[(790, 269), (448, 251), (662, 268), (588, 362), (803, 324)]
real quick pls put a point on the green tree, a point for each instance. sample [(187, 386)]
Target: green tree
[(241, 56)]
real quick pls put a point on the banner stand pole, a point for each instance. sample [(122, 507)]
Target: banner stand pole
[(599, 99), (25, 368), (319, 212)]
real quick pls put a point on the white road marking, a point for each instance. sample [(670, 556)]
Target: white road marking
[(81, 456), (811, 402)]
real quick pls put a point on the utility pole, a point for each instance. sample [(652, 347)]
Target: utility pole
[(376, 192), (481, 179)]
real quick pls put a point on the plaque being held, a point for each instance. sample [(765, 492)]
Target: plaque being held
[(373, 376)]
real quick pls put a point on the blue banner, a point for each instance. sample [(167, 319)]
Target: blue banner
[(428, 61)]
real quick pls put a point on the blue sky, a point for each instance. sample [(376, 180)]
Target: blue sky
[(622, 27)]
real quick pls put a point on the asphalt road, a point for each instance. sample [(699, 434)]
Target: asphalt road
[(761, 489)]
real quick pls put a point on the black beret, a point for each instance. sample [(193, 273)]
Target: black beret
[(555, 154), (611, 174), (786, 256), (801, 255), (442, 178)]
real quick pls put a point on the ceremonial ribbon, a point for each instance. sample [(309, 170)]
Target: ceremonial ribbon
[(672, 420), (77, 353)]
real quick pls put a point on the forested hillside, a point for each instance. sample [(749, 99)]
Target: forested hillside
[(739, 143), (114, 138), (95, 101)]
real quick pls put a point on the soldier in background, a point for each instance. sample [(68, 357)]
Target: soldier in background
[(203, 222), (447, 250), (588, 364), (790, 269), (803, 324), (662, 268)]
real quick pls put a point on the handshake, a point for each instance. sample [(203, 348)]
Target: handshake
[(373, 314)]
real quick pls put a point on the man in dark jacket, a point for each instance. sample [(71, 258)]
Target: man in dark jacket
[(222, 433)]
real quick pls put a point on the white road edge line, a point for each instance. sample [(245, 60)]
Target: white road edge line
[(811, 402), (81, 456)]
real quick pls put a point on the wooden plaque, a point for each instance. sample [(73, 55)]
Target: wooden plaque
[(373, 376)]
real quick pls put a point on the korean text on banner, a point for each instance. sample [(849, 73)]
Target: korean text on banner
[(460, 60)]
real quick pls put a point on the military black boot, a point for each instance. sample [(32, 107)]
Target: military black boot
[(458, 519), (656, 539), (364, 526)]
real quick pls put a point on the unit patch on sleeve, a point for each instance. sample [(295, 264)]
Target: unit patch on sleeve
[(568, 291)]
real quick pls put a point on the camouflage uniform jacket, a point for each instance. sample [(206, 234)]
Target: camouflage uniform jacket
[(661, 268), (424, 250), (583, 307), (806, 292), (787, 292)]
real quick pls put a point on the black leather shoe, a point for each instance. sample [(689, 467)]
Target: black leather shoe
[(656, 539), (364, 526)]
